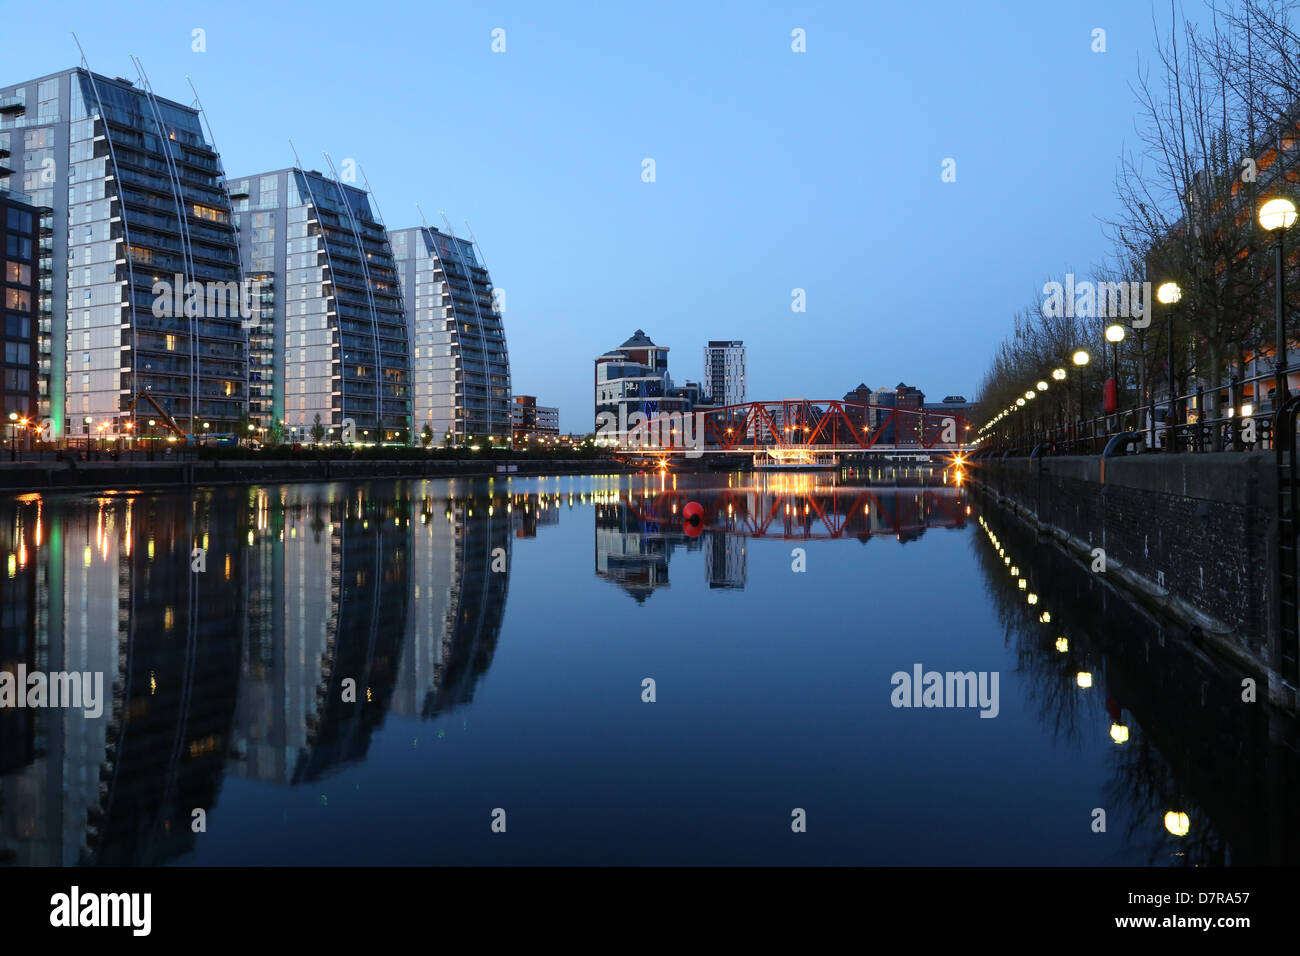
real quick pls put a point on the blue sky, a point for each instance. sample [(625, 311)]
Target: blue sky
[(775, 170)]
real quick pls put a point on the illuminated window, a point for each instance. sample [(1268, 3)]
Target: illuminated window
[(171, 343)]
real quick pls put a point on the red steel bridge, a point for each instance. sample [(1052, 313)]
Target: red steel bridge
[(798, 432)]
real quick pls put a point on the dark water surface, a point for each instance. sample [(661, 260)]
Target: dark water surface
[(498, 636)]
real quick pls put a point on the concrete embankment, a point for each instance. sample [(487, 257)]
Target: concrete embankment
[(1191, 536), (54, 475)]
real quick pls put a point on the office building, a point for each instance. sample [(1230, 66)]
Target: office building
[(457, 339), (633, 378), (330, 354), (137, 197)]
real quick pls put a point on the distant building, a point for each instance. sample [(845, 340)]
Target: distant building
[(634, 378), (907, 429), (724, 372), (858, 396), (530, 420), (953, 406)]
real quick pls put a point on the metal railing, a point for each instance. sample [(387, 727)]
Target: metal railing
[(1210, 419)]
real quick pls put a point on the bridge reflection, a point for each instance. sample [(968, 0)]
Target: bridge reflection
[(639, 525)]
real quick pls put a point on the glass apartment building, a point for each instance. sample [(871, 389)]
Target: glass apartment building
[(328, 342), (137, 196), (457, 337), (23, 270)]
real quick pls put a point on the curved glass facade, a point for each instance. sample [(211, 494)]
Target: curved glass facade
[(138, 198), (460, 365), (330, 343)]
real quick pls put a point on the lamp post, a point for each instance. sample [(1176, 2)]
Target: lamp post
[(1080, 359), (1277, 216), (1058, 375), (13, 435), (1169, 294), (1115, 335)]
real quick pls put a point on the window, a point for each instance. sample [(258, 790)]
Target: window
[(17, 246), (171, 343), (18, 327), (19, 220), (18, 353), (18, 299), (18, 273), (17, 379)]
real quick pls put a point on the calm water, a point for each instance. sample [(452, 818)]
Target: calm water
[(499, 634)]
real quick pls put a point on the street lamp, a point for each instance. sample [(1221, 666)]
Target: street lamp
[(1278, 215), (1169, 294), (1115, 335), (13, 434), (1080, 359)]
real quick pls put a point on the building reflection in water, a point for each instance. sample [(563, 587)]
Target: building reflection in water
[(239, 668)]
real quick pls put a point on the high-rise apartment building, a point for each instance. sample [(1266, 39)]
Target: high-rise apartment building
[(724, 372), (20, 311), (457, 339), (137, 197), (330, 356)]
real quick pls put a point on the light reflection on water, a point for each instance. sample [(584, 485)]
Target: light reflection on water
[(362, 673)]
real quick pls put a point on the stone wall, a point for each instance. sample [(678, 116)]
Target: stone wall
[(1192, 533)]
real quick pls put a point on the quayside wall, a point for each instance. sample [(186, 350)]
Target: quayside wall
[(1190, 535), (161, 474)]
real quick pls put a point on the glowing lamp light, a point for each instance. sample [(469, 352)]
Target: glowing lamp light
[(1084, 679), (1041, 386), (1177, 823), (1020, 401), (1115, 333), (1080, 358), (1030, 395), (1119, 733), (1022, 584), (1063, 644), (1031, 598), (1169, 293), (1277, 214), (1045, 617), (1058, 374)]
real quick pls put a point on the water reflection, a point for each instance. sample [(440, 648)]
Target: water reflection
[(1194, 776), (638, 525), (322, 610)]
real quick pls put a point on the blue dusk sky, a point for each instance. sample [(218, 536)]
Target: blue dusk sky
[(774, 170)]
